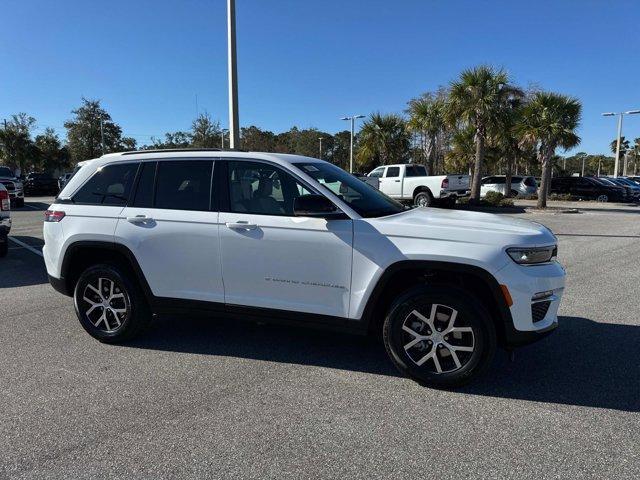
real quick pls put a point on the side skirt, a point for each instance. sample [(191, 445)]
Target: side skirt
[(174, 306)]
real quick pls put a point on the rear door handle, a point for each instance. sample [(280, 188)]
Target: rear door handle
[(139, 219), (241, 225), (396, 180)]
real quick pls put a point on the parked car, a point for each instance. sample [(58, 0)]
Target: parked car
[(587, 188), (629, 192), (294, 239), (520, 186), (13, 186), (410, 183), (5, 220), (63, 179), (633, 187), (40, 184)]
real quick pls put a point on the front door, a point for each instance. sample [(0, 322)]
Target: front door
[(391, 183), (272, 259), (171, 227)]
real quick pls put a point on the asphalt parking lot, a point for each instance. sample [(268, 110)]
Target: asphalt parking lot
[(217, 399)]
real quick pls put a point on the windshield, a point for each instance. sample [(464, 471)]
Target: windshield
[(362, 197), (5, 172)]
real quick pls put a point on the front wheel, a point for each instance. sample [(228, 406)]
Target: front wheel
[(602, 198), (439, 336), (110, 306)]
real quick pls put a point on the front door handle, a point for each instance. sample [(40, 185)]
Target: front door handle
[(241, 225), (139, 219), (396, 180)]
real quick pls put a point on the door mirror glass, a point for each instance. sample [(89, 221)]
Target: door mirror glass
[(314, 206)]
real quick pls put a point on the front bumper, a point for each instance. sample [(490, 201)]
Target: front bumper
[(524, 282)]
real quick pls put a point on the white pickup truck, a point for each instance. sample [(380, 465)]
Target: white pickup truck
[(410, 182)]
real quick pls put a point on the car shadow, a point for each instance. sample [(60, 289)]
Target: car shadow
[(583, 363), (21, 267), (32, 206)]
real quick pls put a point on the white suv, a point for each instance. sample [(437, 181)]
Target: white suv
[(289, 238)]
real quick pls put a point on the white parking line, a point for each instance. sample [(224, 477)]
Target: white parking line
[(24, 245)]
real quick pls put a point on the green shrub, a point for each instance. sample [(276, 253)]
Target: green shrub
[(493, 198), (506, 202), (561, 196)]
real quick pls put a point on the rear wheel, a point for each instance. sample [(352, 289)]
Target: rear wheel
[(110, 306), (602, 198), (439, 336), (423, 199)]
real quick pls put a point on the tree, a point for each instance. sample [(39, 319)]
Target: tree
[(205, 132), (338, 153), (506, 139), (17, 146), (478, 98), (461, 156), (427, 119), (257, 140), (383, 139), (84, 135), (624, 148), (176, 139), (52, 154), (548, 121)]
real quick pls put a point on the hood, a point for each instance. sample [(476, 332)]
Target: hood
[(465, 227)]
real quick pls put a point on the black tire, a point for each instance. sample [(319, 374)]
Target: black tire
[(118, 326), (473, 329), (423, 199), (4, 246)]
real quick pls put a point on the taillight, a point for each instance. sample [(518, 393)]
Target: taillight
[(445, 183), (53, 216), (5, 203)]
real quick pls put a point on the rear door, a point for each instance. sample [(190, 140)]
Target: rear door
[(273, 259), (171, 226)]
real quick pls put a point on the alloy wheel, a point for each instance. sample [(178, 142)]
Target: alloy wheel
[(439, 342), (108, 306), (602, 198)]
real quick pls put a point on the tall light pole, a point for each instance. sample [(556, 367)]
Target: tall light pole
[(583, 159), (353, 119), (320, 139), (234, 129), (620, 115), (102, 134), (222, 132)]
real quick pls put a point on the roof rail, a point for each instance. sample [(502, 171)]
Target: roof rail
[(171, 150)]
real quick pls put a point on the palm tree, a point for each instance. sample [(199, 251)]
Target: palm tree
[(462, 153), (383, 139), (478, 98), (549, 120), (624, 148), (506, 138), (426, 117)]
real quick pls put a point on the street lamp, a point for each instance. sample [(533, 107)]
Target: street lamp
[(583, 158), (353, 119), (222, 132), (620, 115), (320, 157)]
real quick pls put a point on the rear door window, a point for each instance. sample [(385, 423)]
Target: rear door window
[(146, 183), (184, 185), (415, 171), (110, 185)]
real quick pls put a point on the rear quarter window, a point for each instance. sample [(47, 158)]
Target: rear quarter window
[(109, 185)]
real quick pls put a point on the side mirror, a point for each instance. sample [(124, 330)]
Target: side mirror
[(315, 206)]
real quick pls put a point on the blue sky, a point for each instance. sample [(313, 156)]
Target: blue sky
[(307, 63)]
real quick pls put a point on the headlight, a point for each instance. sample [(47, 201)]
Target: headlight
[(533, 255)]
